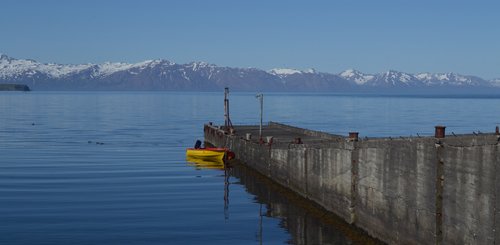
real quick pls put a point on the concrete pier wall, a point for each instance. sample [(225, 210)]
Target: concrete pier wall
[(470, 191), (420, 190), (396, 195)]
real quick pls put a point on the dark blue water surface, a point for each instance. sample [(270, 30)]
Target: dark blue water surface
[(110, 168)]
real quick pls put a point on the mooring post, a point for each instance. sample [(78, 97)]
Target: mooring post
[(440, 132), (353, 139), (353, 136), (439, 184)]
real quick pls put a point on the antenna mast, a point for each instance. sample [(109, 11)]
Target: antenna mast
[(227, 121)]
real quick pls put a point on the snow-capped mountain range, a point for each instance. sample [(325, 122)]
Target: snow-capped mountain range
[(200, 76)]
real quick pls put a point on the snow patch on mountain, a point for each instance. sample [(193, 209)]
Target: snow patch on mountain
[(10, 67), (288, 71), (284, 71), (109, 68), (431, 79), (356, 76), (395, 77), (310, 70), (495, 82)]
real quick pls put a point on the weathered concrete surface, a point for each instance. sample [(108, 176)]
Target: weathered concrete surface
[(402, 191), (396, 190), (328, 178), (469, 193), (497, 199)]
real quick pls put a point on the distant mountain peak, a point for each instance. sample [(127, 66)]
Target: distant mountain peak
[(350, 71), (496, 82), (393, 77), (356, 76), (5, 57), (161, 74), (310, 70)]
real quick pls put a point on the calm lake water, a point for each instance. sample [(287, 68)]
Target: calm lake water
[(110, 168)]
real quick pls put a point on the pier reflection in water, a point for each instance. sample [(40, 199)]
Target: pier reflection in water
[(306, 222)]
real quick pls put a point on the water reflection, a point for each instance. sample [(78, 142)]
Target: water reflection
[(306, 222), (205, 164), (199, 164), (226, 193)]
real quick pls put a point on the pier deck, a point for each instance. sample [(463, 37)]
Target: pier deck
[(281, 134)]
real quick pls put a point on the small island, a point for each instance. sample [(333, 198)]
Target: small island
[(14, 87)]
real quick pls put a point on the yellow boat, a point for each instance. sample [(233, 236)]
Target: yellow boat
[(205, 164), (207, 154)]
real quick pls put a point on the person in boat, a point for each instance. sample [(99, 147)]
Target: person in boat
[(197, 145)]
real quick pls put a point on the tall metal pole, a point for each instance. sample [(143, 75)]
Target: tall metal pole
[(228, 125), (261, 99), (226, 109)]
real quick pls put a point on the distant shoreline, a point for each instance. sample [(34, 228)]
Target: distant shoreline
[(14, 87)]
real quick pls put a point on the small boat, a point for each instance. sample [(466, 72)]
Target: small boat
[(205, 164), (207, 154)]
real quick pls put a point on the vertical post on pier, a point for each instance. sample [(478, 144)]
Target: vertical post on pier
[(261, 99), (228, 126), (353, 136), (440, 132), (226, 112), (439, 184)]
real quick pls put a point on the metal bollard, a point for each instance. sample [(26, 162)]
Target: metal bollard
[(440, 132), (353, 136)]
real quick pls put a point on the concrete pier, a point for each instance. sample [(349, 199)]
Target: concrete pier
[(417, 190)]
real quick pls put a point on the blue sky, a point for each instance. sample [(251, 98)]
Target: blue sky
[(330, 36)]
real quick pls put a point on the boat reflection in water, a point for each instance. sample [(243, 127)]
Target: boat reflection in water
[(306, 222), (204, 163), (200, 163)]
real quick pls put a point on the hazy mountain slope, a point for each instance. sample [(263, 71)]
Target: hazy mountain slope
[(200, 76)]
